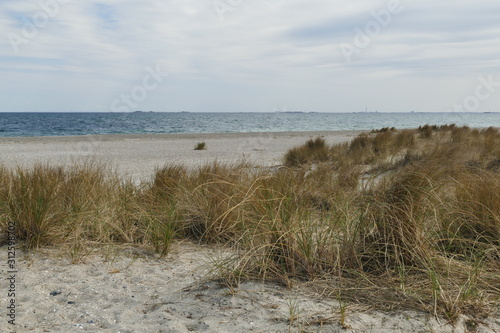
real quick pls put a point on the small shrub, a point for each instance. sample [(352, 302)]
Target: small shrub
[(200, 146)]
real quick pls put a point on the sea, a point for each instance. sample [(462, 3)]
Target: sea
[(73, 123)]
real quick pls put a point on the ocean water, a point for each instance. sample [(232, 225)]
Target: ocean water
[(63, 124)]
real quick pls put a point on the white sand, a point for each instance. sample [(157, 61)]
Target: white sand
[(106, 293), (138, 155), (120, 292)]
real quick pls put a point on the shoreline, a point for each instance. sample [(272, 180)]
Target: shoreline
[(138, 155), (109, 137)]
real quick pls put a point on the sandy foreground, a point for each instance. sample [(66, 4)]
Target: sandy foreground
[(125, 289)]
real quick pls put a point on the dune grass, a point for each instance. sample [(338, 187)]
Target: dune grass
[(395, 219), (200, 146)]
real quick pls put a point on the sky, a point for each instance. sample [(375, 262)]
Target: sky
[(249, 55)]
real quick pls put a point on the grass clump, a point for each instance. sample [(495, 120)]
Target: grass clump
[(314, 150), (200, 146), (391, 215), (395, 219), (30, 196)]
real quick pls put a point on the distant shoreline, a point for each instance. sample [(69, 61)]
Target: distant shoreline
[(166, 136)]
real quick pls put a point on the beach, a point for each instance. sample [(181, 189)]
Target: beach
[(126, 289), (137, 155)]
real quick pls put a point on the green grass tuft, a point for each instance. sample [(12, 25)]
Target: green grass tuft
[(200, 146)]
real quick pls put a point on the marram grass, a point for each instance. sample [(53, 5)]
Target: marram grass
[(394, 219)]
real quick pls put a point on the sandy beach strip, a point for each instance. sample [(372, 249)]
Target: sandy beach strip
[(137, 156)]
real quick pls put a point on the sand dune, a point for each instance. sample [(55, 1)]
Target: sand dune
[(129, 290)]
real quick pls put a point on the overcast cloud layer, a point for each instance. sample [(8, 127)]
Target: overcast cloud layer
[(250, 55)]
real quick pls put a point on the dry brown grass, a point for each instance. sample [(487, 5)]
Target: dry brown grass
[(393, 219), (314, 150)]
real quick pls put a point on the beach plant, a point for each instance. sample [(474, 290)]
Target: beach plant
[(30, 199), (294, 311), (200, 146), (396, 219), (161, 233), (314, 150), (396, 228), (342, 312)]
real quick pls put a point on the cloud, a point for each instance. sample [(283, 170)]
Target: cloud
[(261, 56)]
